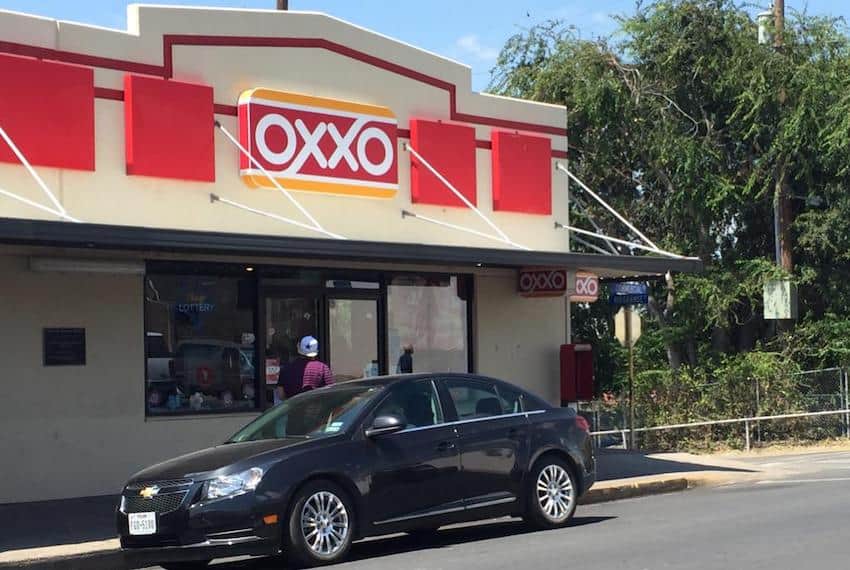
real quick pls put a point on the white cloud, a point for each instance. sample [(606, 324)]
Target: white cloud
[(473, 46)]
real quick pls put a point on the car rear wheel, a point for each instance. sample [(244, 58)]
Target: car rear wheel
[(552, 493), (321, 525)]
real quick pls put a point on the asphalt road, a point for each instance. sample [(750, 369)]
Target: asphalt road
[(798, 519)]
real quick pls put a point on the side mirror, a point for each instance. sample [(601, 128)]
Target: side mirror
[(383, 425)]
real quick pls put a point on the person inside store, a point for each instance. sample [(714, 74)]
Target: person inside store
[(405, 361), (304, 373)]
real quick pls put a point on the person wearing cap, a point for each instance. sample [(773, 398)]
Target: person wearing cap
[(304, 373)]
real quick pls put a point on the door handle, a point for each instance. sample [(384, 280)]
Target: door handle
[(446, 446), (512, 432)]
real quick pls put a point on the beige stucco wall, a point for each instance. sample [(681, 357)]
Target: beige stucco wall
[(518, 338), (81, 431), (110, 196), (77, 431)]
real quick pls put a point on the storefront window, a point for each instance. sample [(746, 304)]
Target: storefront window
[(427, 324), (200, 344)]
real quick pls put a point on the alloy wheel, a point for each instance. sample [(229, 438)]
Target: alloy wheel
[(555, 493), (324, 523)]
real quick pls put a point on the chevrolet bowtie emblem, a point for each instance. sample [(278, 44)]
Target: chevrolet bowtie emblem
[(149, 492)]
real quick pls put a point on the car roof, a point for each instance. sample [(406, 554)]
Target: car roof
[(396, 378)]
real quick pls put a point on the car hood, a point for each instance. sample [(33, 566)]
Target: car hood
[(211, 459)]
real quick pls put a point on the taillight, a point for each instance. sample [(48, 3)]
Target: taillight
[(582, 424)]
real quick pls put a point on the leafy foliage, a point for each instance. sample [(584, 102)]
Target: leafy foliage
[(683, 121)]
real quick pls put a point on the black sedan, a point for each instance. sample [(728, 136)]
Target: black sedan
[(399, 453)]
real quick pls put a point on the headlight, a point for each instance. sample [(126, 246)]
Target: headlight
[(232, 485)]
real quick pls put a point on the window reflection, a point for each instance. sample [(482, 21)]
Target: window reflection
[(199, 344), (427, 324)]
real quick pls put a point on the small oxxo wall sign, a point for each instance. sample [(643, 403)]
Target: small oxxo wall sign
[(581, 287)]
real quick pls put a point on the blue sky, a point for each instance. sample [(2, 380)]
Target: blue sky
[(470, 31)]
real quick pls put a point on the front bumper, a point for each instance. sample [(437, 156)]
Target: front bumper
[(203, 531), (139, 557)]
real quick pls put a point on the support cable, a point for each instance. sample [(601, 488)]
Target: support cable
[(595, 196), (561, 226), (315, 224), (216, 198), (502, 235), (58, 210), (408, 214)]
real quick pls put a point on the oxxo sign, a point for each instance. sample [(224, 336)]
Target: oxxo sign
[(586, 288), (317, 144), (542, 282), (546, 282)]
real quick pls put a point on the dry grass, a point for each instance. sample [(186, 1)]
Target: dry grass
[(789, 448)]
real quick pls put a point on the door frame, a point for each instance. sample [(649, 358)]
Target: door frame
[(265, 292), (323, 296), (378, 295)]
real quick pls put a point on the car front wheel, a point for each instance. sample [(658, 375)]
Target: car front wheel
[(552, 494), (321, 525)]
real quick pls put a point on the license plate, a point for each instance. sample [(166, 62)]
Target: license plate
[(142, 523)]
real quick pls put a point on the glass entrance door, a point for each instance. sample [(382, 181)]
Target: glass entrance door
[(353, 333), (288, 318)]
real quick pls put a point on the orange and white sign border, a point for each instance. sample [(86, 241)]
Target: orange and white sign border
[(253, 177)]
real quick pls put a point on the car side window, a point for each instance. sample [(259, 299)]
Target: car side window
[(417, 404), (474, 400), (512, 400)]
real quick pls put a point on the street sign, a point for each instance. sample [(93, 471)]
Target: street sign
[(627, 327), (623, 294), (780, 299)]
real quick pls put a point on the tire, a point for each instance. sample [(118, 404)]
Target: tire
[(199, 565), (320, 526), (551, 493)]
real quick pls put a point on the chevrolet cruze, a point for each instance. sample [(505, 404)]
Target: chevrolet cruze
[(398, 453)]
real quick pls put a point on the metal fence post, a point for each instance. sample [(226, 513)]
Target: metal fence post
[(758, 411), (846, 390), (747, 434)]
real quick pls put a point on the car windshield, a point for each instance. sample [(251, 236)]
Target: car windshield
[(320, 413)]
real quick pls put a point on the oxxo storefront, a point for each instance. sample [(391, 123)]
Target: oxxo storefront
[(210, 185)]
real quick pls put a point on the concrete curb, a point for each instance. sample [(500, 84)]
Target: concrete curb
[(112, 559), (636, 489)]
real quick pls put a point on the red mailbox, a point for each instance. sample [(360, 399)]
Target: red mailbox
[(576, 373)]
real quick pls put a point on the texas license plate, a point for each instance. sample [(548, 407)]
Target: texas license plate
[(142, 523)]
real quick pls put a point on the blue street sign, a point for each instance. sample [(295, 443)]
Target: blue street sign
[(628, 294)]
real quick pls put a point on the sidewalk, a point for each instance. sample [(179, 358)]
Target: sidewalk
[(78, 534)]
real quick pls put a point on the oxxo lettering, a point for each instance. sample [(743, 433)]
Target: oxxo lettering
[(316, 144), (542, 282)]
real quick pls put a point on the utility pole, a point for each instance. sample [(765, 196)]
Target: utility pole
[(631, 343), (283, 4), (783, 213)]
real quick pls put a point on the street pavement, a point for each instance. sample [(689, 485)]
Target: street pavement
[(794, 517)]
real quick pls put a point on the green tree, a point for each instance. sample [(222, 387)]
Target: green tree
[(685, 123)]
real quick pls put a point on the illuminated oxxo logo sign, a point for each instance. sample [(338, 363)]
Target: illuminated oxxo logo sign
[(586, 289), (542, 282), (317, 144)]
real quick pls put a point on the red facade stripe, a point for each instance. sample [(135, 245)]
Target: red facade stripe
[(80, 58), (167, 69)]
